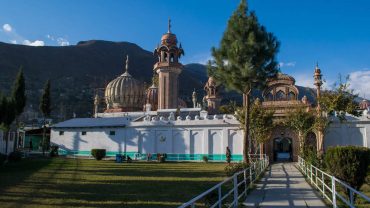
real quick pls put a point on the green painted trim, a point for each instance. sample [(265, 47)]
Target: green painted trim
[(170, 156)]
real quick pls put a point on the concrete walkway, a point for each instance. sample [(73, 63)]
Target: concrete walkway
[(283, 186)]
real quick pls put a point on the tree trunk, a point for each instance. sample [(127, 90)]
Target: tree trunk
[(261, 150), (44, 137), (6, 137), (320, 143), (16, 135), (246, 128)]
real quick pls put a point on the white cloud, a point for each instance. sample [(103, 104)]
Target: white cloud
[(34, 43), (360, 82), (287, 64), (62, 42), (7, 28), (304, 80), (50, 37), (13, 41)]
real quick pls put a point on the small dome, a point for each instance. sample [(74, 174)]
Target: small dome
[(364, 104), (169, 39), (125, 93), (281, 76), (211, 81), (152, 97)]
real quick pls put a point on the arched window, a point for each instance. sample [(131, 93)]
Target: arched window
[(280, 95), (269, 97), (291, 96), (172, 57)]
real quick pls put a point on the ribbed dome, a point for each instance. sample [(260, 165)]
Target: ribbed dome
[(125, 93), (285, 77), (169, 39), (152, 97)]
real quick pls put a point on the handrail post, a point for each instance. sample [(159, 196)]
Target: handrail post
[(245, 182), (311, 173), (235, 191), (323, 184), (250, 175), (351, 197), (316, 176), (333, 192), (219, 197)]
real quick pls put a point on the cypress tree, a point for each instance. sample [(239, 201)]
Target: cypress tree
[(45, 109), (19, 98), (245, 59)]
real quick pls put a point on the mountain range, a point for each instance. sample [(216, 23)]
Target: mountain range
[(77, 71)]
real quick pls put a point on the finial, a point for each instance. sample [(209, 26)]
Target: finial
[(317, 64), (126, 64), (169, 25)]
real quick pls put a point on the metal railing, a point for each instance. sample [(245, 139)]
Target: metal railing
[(329, 185), (239, 184)]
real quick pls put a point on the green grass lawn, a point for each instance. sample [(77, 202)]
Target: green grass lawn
[(89, 183)]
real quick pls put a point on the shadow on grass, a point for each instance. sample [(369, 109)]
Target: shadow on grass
[(14, 173), (85, 183)]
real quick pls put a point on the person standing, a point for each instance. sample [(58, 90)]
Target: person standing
[(31, 146)]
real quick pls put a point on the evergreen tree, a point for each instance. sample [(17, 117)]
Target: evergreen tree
[(7, 112), (45, 108), (19, 98), (245, 59)]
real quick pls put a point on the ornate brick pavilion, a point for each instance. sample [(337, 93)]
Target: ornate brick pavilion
[(282, 96)]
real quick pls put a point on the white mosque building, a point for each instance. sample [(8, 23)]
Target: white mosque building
[(137, 121)]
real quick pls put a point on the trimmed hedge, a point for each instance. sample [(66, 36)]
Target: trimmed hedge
[(348, 163), (98, 154)]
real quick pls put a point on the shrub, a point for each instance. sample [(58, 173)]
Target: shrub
[(310, 155), (233, 168), (98, 154), (205, 158), (54, 151), (348, 163), (2, 158), (15, 156)]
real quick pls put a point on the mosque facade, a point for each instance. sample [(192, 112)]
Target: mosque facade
[(139, 121)]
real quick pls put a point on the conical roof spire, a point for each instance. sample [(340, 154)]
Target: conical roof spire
[(169, 25), (126, 68)]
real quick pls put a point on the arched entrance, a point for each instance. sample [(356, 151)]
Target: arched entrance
[(283, 149)]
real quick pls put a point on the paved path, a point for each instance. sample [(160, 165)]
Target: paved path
[(283, 186)]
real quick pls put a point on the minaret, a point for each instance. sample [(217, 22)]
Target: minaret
[(318, 83), (213, 98), (194, 99), (320, 131), (168, 69)]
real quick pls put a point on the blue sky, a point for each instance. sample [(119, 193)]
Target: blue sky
[(336, 34)]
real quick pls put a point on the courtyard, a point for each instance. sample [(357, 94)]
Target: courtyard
[(64, 182)]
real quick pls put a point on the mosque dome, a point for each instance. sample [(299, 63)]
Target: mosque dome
[(125, 93), (364, 104), (282, 76), (152, 97)]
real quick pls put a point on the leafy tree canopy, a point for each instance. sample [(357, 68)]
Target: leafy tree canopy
[(340, 100), (262, 120)]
